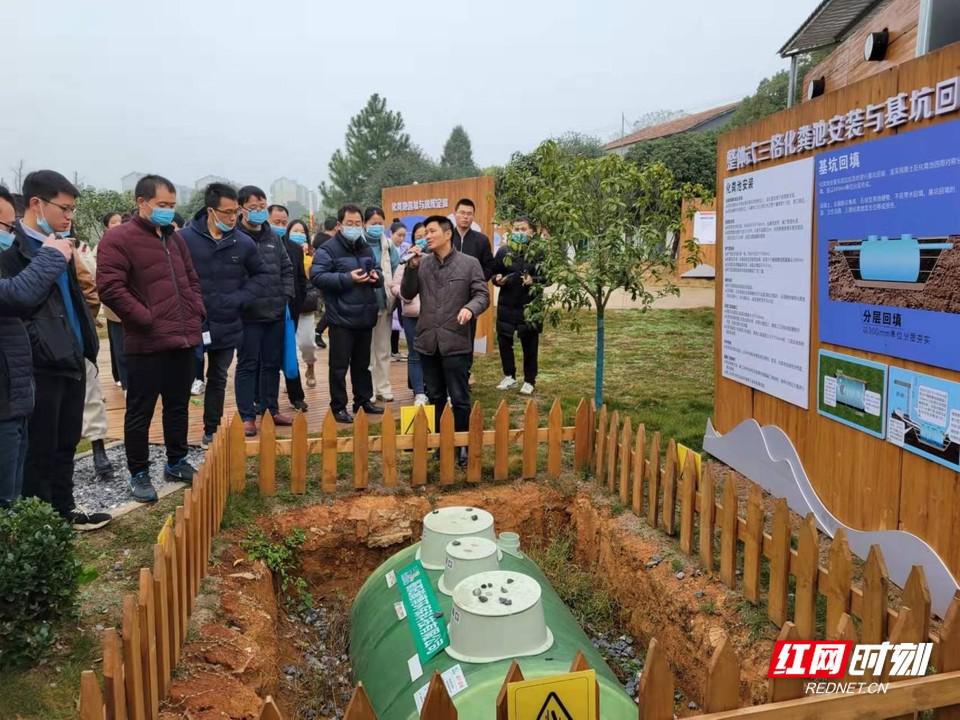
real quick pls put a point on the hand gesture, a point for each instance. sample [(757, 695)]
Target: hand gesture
[(359, 275), (373, 277), (64, 246), (526, 279), (464, 316), (498, 280)]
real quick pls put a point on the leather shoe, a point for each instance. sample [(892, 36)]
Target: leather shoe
[(462, 457), (342, 416), (250, 428), (299, 406), (369, 408), (282, 420)]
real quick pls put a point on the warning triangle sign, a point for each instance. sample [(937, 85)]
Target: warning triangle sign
[(553, 709)]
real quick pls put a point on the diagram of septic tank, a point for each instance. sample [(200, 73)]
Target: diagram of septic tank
[(851, 391), (897, 271), (924, 416)]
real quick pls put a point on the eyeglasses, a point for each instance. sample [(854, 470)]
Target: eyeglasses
[(67, 210), (226, 213), (8, 226), (254, 208)]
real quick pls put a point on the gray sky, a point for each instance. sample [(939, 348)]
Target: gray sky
[(256, 90)]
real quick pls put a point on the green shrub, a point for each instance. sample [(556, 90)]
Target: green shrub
[(39, 576), (283, 559)]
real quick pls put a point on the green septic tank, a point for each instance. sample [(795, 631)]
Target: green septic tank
[(381, 643)]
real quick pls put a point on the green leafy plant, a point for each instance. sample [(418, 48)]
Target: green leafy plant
[(283, 559), (39, 577)]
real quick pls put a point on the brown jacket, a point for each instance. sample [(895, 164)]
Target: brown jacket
[(88, 286)]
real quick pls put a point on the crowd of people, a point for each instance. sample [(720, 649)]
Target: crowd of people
[(182, 297)]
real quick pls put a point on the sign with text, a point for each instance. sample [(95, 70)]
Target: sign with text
[(888, 247), (423, 611), (924, 416), (767, 232), (572, 696), (851, 390)]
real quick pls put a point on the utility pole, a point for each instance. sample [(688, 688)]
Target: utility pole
[(623, 125)]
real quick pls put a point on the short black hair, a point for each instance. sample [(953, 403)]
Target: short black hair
[(319, 239), (179, 220), (373, 210), (147, 186), (249, 191), (214, 192), (348, 208), (527, 220), (108, 217), (296, 221), (329, 223), (277, 206), (397, 225), (441, 220), (5, 195), (415, 228), (46, 185), (465, 201)]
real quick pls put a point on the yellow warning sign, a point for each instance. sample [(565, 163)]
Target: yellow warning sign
[(409, 413), (561, 697), (682, 451)]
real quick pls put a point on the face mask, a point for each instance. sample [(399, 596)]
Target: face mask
[(6, 239), (63, 235), (44, 225), (518, 237), (421, 243), (351, 233), (221, 226), (374, 232), (162, 217), (298, 238), (256, 217), (278, 230)]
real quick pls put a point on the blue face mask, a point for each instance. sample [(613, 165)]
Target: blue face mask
[(256, 217), (518, 237), (44, 225), (298, 238), (6, 239), (351, 233), (161, 217), (421, 243), (374, 232), (278, 230)]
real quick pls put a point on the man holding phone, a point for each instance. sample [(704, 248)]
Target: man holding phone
[(345, 272)]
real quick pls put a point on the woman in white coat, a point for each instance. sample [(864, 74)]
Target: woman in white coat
[(386, 257)]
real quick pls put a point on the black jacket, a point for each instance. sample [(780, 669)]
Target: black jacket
[(478, 245), (54, 344), (231, 272), (514, 296), (276, 289), (19, 296), (295, 253), (348, 304)]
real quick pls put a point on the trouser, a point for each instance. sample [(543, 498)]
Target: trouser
[(530, 342), (414, 365), (167, 375), (295, 392), (322, 324), (448, 375), (395, 334), (118, 361), (306, 337), (198, 354), (52, 436), (94, 407), (258, 366), (349, 349), (13, 453), (380, 355), (218, 364), (473, 335)]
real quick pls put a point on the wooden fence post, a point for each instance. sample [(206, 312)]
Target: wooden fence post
[(513, 675), (328, 458), (162, 610), (132, 662), (554, 439), (916, 595), (807, 572), (388, 448), (599, 451), (146, 614), (656, 685), (838, 582), (786, 688), (446, 446), (475, 445), (419, 464), (268, 455), (189, 551), (580, 664), (182, 584), (753, 545), (707, 507), (873, 610), (113, 680), (847, 632), (238, 454), (688, 498), (668, 514), (270, 711), (361, 450), (613, 438), (360, 707), (626, 450), (437, 705), (722, 691), (639, 468), (728, 533), (949, 659), (531, 424), (91, 699), (581, 437), (298, 455), (501, 442), (779, 564)]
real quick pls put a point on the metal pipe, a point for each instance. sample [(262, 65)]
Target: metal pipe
[(792, 82)]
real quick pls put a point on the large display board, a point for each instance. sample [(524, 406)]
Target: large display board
[(767, 224)]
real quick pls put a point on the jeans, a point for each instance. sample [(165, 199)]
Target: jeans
[(13, 453), (448, 375), (53, 433), (118, 361), (218, 363), (167, 375), (349, 349), (414, 366), (530, 342), (198, 353), (258, 365)]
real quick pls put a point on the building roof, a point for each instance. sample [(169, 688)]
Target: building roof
[(676, 126), (829, 24)]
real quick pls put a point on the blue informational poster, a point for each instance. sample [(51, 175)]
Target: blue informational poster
[(888, 246), (924, 416)]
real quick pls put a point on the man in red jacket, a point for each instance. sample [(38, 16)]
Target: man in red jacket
[(146, 276)]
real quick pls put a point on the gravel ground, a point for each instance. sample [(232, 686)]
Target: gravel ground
[(95, 495)]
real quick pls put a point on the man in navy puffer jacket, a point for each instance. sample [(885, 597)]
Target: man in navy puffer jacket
[(230, 271)]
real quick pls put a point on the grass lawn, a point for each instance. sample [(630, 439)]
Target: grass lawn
[(659, 371)]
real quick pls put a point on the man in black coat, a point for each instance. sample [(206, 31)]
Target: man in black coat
[(345, 271), (18, 297), (278, 216), (475, 243), (230, 271)]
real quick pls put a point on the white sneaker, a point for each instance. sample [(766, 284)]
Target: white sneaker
[(526, 389), (421, 399), (197, 388), (386, 398), (507, 383)]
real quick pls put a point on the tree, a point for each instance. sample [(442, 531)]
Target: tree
[(771, 94), (690, 156), (606, 219), (457, 159), (193, 205), (374, 135), (92, 205), (403, 169), (656, 117)]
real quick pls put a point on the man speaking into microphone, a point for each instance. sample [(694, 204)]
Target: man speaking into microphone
[(452, 292)]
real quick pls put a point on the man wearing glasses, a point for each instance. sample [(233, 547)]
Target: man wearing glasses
[(62, 334), (230, 270), (476, 244)]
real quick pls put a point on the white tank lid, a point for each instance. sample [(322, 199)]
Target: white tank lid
[(450, 523), (465, 557)]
